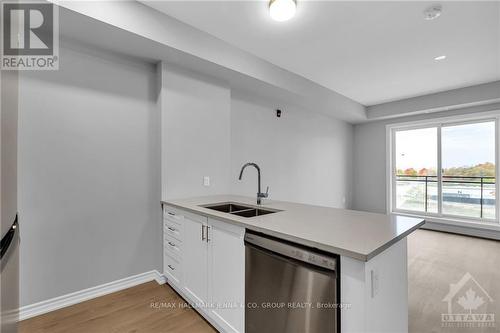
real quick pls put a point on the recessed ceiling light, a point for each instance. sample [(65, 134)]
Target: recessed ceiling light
[(433, 12), (282, 10), (441, 57)]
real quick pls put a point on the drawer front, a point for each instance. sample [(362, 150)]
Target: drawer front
[(172, 269), (172, 229), (172, 246), (172, 214)]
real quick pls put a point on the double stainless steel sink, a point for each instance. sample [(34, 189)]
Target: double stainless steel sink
[(240, 209)]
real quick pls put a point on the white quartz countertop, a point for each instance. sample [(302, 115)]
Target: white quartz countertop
[(356, 234)]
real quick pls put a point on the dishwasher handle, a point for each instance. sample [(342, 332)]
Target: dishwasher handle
[(291, 251)]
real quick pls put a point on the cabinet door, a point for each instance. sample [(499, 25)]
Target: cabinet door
[(226, 257), (194, 259)]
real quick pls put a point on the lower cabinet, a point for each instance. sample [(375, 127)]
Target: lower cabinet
[(226, 269), (195, 264), (208, 266)]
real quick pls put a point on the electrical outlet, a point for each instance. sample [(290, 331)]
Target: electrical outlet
[(206, 181)]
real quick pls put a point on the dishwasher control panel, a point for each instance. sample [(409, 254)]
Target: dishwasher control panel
[(293, 251)]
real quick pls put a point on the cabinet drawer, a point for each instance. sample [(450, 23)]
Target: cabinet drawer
[(172, 229), (172, 246), (173, 215), (171, 269)]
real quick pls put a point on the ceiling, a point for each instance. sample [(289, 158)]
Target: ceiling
[(372, 52)]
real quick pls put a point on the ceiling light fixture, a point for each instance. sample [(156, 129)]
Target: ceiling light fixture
[(282, 10), (433, 12), (442, 57)]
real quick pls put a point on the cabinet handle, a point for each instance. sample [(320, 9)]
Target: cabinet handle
[(171, 214), (202, 232), (171, 267), (171, 244), (208, 233), (171, 229)]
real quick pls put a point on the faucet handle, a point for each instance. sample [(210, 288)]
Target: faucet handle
[(263, 195)]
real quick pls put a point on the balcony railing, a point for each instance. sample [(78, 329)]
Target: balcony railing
[(474, 183)]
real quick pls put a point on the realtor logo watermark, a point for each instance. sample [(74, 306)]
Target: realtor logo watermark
[(30, 36), (467, 304)]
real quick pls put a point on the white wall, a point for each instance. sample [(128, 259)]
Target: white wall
[(460, 98), (196, 134), (89, 174), (304, 156)]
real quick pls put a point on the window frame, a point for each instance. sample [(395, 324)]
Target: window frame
[(439, 123)]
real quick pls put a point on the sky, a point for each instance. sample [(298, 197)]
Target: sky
[(462, 145)]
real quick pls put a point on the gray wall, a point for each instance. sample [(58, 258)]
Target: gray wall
[(210, 130), (369, 179), (304, 156), (89, 174), (9, 105), (9, 275), (196, 134)]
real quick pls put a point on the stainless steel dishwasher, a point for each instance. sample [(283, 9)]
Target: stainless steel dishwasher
[(288, 288)]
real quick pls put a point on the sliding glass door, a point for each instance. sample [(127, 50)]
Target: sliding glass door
[(446, 170), (468, 162), (416, 170)]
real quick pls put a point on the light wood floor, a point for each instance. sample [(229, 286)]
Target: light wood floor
[(435, 260), (127, 311)]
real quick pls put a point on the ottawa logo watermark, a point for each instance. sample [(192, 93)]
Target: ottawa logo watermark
[(467, 304), (30, 35)]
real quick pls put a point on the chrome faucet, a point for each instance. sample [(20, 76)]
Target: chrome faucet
[(260, 195)]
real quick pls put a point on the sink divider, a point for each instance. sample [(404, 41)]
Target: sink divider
[(242, 210)]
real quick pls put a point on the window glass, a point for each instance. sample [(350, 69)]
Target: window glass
[(416, 170), (468, 163)]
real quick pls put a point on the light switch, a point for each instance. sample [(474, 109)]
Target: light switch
[(206, 181)]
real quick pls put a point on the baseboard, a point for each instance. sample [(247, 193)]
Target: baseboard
[(461, 230), (160, 278), (60, 302)]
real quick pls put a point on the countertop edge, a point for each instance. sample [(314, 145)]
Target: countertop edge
[(385, 246), (306, 242)]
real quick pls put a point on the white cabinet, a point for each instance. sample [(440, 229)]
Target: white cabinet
[(172, 268), (226, 268), (195, 259), (172, 245), (376, 290), (204, 259)]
